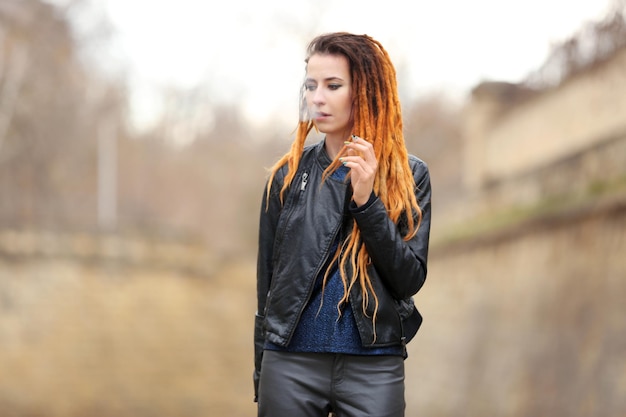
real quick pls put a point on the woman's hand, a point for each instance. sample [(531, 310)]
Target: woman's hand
[(361, 160)]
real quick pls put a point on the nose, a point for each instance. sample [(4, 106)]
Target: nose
[(317, 96)]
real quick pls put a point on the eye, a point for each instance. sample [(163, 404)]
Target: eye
[(334, 86), (310, 87)]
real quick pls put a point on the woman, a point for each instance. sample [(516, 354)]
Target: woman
[(343, 244)]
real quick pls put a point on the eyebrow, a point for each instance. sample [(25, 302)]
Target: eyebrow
[(326, 79)]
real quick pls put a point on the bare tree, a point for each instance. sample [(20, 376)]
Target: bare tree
[(13, 68), (591, 45), (47, 120)]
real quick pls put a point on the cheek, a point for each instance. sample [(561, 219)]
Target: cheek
[(348, 113), (348, 104)]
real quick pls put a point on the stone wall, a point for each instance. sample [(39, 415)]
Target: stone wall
[(528, 320), (523, 147), (99, 327), (543, 128), (524, 314)]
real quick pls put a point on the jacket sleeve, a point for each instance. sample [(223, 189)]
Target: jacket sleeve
[(400, 263), (269, 214)]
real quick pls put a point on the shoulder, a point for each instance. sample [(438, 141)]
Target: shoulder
[(418, 166), (312, 150), (308, 154)]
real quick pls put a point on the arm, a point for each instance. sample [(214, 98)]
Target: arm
[(267, 227), (402, 264)]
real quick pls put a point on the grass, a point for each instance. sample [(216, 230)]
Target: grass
[(510, 217)]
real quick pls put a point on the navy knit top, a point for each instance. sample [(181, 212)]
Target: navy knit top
[(321, 328)]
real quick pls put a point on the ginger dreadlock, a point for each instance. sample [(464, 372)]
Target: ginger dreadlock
[(378, 119)]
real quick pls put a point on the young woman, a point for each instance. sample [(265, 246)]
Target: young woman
[(343, 244)]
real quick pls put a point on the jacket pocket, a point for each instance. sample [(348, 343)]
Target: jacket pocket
[(410, 317)]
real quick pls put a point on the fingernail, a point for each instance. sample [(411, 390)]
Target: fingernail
[(347, 142)]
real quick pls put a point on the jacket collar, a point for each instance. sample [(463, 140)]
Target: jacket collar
[(322, 157)]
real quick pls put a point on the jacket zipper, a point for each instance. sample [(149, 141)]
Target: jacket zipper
[(294, 199), (305, 179), (317, 272)]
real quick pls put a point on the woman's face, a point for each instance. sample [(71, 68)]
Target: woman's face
[(328, 94)]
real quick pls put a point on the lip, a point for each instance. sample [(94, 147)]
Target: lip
[(320, 115)]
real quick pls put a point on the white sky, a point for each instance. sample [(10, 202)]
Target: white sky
[(251, 52)]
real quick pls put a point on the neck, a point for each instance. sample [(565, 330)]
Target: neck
[(334, 144)]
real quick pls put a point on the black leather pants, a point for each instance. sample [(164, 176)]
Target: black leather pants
[(317, 384)]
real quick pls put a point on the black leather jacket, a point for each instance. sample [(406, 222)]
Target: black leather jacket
[(295, 242)]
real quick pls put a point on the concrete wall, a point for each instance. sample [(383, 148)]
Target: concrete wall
[(524, 146), (506, 140), (526, 321)]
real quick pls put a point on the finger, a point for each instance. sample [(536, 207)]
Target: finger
[(358, 139), (358, 165), (360, 158), (361, 145), (356, 158)]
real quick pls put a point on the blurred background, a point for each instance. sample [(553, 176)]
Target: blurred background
[(134, 142)]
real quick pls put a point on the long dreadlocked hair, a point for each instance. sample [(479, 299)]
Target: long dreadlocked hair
[(377, 118)]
